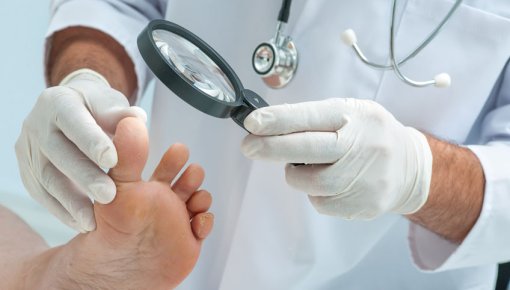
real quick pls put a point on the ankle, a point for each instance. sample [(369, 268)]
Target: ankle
[(53, 269), (42, 272)]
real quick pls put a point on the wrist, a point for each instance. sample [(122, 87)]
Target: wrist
[(419, 173), (456, 192), (77, 48), (38, 272), (84, 74)]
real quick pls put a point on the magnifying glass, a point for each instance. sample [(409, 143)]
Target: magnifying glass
[(195, 72)]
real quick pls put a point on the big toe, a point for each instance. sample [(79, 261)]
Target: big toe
[(132, 142)]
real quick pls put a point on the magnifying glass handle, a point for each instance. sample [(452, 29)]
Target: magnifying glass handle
[(252, 101)]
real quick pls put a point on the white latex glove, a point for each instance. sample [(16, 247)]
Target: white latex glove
[(360, 161), (65, 142)]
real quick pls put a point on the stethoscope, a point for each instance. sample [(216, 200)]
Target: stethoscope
[(276, 61), (198, 74)]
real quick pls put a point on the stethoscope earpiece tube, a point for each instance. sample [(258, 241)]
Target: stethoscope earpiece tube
[(276, 61), (283, 16), (442, 80)]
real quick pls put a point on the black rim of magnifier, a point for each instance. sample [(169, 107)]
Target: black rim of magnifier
[(172, 78)]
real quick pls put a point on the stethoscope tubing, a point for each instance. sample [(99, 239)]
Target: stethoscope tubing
[(440, 80), (417, 50)]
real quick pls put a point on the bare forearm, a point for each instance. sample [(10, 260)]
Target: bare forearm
[(35, 268), (79, 47), (50, 269), (26, 262), (456, 192)]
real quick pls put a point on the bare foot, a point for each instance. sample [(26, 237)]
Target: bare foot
[(150, 236)]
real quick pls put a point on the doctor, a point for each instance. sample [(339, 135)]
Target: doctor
[(437, 212)]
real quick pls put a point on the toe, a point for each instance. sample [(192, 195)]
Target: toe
[(132, 143), (189, 182), (171, 164), (199, 202), (202, 225)]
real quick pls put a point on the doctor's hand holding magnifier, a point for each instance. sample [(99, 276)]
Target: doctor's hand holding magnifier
[(359, 162)]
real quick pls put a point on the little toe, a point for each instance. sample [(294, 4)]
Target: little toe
[(171, 163), (202, 225), (199, 202), (189, 182)]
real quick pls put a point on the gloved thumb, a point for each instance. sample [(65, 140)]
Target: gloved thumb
[(109, 119), (327, 115), (132, 143)]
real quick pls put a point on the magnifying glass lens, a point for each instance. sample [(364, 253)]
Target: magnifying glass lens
[(193, 65)]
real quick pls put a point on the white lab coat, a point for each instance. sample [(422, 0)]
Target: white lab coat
[(267, 236)]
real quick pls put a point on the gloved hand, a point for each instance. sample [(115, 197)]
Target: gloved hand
[(359, 161), (65, 142)]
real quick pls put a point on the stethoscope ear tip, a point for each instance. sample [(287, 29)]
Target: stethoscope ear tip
[(349, 37), (442, 80)]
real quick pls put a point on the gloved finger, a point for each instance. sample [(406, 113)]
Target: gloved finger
[(109, 119), (78, 125), (107, 106), (72, 199), (327, 115), (341, 207), (304, 147), (314, 179), (77, 167), (328, 205), (42, 196)]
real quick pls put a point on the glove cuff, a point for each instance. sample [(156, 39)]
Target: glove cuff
[(419, 182), (84, 74)]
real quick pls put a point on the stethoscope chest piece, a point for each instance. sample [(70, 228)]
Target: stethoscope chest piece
[(276, 61)]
